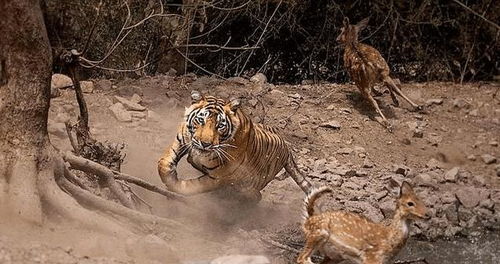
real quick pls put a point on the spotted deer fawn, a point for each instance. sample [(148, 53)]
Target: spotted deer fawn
[(341, 235), (367, 67)]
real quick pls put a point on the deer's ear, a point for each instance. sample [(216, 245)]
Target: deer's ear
[(196, 97), (405, 189), (362, 24), (346, 22)]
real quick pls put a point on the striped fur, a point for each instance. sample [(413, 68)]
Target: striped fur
[(311, 198), (223, 143)]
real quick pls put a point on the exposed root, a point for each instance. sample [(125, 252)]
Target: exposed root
[(89, 166), (101, 171), (88, 199)]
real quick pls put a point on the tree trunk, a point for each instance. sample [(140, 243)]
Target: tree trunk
[(25, 59)]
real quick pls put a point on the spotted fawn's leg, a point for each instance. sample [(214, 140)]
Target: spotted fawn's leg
[(368, 97), (392, 86), (313, 239)]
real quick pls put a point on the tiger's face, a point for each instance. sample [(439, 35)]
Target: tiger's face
[(211, 122)]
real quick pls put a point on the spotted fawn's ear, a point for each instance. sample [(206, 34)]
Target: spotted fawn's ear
[(234, 104), (405, 189), (196, 97)]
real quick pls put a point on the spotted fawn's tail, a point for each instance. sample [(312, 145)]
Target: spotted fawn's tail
[(311, 198)]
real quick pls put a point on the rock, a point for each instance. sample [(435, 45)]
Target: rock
[(241, 259), (406, 141), (434, 139), (60, 81), (367, 163), (433, 164), (361, 173), (136, 99), (460, 103), (474, 112), (434, 101), (387, 207), (497, 169), (138, 115), (120, 113), (418, 133), (103, 85), (488, 159), (330, 107), (259, 78), (320, 165), (295, 96), (424, 179), (334, 124), (57, 129), (451, 175), (345, 151), (87, 86), (253, 102), (151, 247), (345, 111), (400, 169), (493, 143), (479, 180), (470, 197), (451, 212), (129, 105), (471, 157)]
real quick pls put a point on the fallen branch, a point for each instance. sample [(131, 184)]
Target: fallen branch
[(146, 185)]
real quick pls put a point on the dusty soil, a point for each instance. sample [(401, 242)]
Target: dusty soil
[(336, 142)]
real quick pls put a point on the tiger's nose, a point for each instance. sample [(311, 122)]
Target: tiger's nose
[(205, 144)]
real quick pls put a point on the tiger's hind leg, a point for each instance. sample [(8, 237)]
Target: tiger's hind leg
[(294, 172)]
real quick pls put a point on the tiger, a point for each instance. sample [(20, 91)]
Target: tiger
[(229, 149)]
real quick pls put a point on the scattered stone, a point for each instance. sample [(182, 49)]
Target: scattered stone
[(433, 164), (451, 212), (345, 111), (474, 112), (434, 101), (471, 157), (412, 125), (259, 78), (434, 139), (241, 259), (424, 179), (61, 81), (469, 197), (460, 103), (361, 173), (479, 180), (136, 99), (406, 141), (87, 86), (320, 165), (345, 151), (334, 124), (381, 195), (493, 143), (129, 105), (448, 198), (387, 207), (400, 169), (120, 113), (330, 107), (451, 175), (367, 163), (295, 96), (253, 102), (488, 159), (171, 72), (138, 115), (103, 85), (418, 133), (497, 169)]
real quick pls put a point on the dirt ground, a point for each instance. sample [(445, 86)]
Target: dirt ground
[(442, 150)]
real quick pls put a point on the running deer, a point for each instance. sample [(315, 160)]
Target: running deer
[(341, 235), (367, 67)]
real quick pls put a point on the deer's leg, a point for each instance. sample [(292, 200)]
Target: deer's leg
[(389, 82), (312, 242), (368, 97)]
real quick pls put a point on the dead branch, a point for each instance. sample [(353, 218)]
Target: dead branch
[(147, 186), (101, 171), (477, 14)]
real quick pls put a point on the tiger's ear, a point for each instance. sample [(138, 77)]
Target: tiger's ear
[(196, 97), (234, 104)]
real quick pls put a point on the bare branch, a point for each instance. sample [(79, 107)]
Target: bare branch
[(477, 14)]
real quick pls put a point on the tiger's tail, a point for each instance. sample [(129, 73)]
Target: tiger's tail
[(311, 198), (293, 170)]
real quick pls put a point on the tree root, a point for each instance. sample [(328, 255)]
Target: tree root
[(89, 166), (101, 171)]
